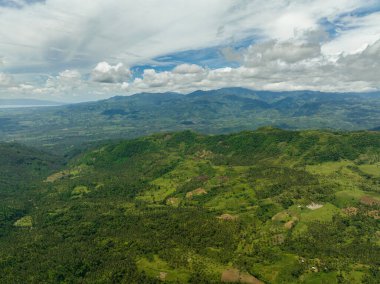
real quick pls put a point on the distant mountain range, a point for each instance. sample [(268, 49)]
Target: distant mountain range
[(216, 111)]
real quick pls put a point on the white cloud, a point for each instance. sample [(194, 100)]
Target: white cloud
[(69, 75), (188, 69), (291, 50), (83, 32), (292, 67), (357, 34), (287, 52), (106, 73), (68, 80), (67, 86), (75, 32), (363, 66)]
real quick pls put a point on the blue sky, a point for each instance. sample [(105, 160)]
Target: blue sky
[(71, 50)]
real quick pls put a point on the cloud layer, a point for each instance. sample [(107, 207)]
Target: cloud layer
[(275, 66), (279, 45)]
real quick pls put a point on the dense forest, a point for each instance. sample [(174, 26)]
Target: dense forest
[(268, 206)]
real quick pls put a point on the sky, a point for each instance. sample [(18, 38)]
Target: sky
[(73, 51)]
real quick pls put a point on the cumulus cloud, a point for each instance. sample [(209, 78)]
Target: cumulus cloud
[(188, 69), (63, 87), (67, 86), (106, 73), (275, 66), (180, 79), (287, 52), (66, 80), (363, 66)]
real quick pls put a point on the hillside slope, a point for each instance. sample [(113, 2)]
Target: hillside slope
[(267, 206), (21, 172)]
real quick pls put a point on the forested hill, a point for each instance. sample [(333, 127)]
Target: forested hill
[(20, 164), (22, 170), (211, 112), (268, 206)]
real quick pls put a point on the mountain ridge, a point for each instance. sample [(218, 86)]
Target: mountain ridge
[(216, 111)]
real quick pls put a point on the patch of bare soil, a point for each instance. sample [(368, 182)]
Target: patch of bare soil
[(374, 214), (233, 275), (288, 225), (368, 200), (57, 176), (230, 276), (227, 217), (172, 201), (350, 211), (196, 192), (203, 154), (314, 206), (247, 278), (162, 276), (202, 178)]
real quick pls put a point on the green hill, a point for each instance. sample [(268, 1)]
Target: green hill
[(21, 172), (269, 205)]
